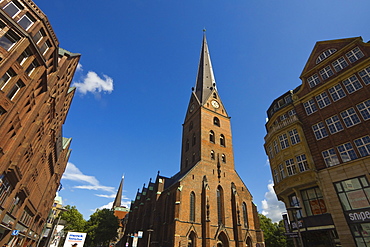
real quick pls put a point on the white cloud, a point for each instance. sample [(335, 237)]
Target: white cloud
[(91, 183), (93, 83), (272, 208), (79, 67)]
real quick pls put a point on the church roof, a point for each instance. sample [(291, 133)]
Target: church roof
[(205, 79)]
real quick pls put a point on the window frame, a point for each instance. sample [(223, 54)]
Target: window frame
[(350, 117), (346, 152), (337, 92), (310, 106), (319, 131), (330, 157), (352, 84), (334, 124)]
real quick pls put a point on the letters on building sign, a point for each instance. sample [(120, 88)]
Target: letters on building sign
[(358, 216)]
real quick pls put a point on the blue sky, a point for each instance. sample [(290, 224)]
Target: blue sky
[(139, 62)]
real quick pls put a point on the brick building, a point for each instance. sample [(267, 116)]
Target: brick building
[(35, 75), (318, 145), (206, 203)]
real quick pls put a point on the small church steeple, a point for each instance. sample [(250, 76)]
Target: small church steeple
[(205, 83), (118, 199)]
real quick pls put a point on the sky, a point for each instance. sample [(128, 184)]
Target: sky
[(139, 62)]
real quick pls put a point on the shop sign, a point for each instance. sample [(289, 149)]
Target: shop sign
[(357, 216)]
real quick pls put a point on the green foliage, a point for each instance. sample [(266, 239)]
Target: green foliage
[(101, 228), (274, 233), (74, 219)]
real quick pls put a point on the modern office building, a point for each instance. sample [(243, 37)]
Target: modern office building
[(35, 95), (318, 144), (206, 203)]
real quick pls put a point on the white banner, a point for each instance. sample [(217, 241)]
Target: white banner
[(75, 239)]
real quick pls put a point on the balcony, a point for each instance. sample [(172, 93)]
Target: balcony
[(276, 127)]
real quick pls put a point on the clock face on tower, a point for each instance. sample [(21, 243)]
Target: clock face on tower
[(215, 104)]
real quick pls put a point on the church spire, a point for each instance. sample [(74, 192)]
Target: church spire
[(118, 199), (205, 79)]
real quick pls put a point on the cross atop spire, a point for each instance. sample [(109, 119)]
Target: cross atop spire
[(205, 83)]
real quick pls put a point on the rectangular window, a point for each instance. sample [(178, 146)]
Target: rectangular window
[(353, 193), (337, 92), (291, 112), (5, 188), (276, 147), (339, 64), (8, 40), (365, 75), (352, 84), (354, 55), (323, 100), (313, 80), (12, 9), (294, 136), (334, 124), (23, 57), (26, 21), (310, 106), (271, 153), (282, 171), (346, 152), (45, 47), (330, 157), (31, 68), (276, 176), (6, 78), (364, 109), (350, 117), (326, 72), (319, 130), (302, 162), (13, 92), (313, 201), (294, 202), (290, 167), (2, 111), (363, 146), (283, 117), (283, 141)]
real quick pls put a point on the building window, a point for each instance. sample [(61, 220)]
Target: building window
[(194, 140), (313, 201), (45, 47), (302, 162), (223, 157), (216, 121), (354, 55), (313, 80), (26, 21), (245, 215), (319, 130), (24, 56), (291, 112), (363, 146), (26, 217), (6, 78), (276, 147), (212, 136), (326, 72), (187, 145), (5, 188), (191, 125), (310, 106), (290, 167), (325, 54), (192, 207), (282, 171), (283, 117), (352, 84), (283, 141), (32, 67), (339, 64), (365, 75), (364, 109), (39, 35), (8, 40), (13, 92), (270, 152), (350, 117), (222, 140), (323, 100), (334, 124), (330, 157), (294, 136), (2, 111), (12, 9), (220, 206), (276, 176), (337, 92), (193, 157), (347, 152), (212, 154), (294, 202)]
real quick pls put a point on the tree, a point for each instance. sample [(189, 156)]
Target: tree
[(101, 228), (74, 219), (274, 233)]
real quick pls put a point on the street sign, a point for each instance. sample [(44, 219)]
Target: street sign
[(292, 234), (15, 232)]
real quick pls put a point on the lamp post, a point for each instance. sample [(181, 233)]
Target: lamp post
[(294, 211), (149, 234)]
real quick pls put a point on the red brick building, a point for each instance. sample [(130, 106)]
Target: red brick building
[(206, 203), (319, 146), (35, 96)]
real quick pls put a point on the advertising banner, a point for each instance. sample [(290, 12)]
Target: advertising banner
[(75, 239)]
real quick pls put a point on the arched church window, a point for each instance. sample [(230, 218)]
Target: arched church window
[(223, 157), (193, 159), (187, 145), (192, 207), (220, 205), (214, 95), (194, 139), (222, 140), (191, 125), (212, 154), (186, 162), (212, 136), (245, 215), (216, 121)]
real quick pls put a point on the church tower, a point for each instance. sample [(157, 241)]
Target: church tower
[(206, 203)]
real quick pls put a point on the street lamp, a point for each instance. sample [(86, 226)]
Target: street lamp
[(149, 234), (294, 211)]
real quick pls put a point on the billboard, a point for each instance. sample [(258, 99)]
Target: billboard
[(75, 239)]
